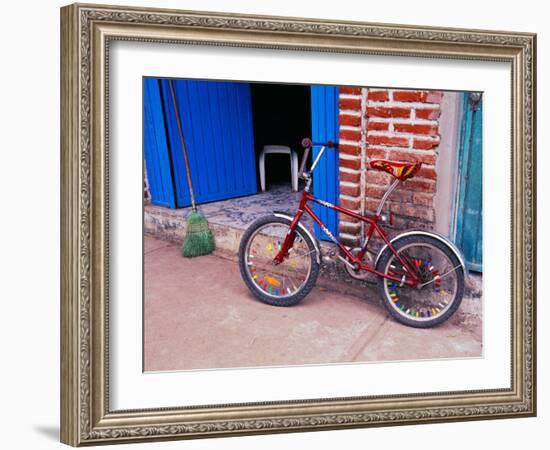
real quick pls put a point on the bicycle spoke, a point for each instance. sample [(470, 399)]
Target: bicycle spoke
[(282, 279), (292, 281), (441, 276), (433, 295), (301, 255)]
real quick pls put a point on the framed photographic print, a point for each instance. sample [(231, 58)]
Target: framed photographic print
[(277, 224)]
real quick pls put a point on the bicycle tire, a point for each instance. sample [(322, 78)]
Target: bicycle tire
[(389, 301), (259, 293)]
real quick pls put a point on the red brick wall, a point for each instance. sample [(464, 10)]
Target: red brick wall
[(399, 125)]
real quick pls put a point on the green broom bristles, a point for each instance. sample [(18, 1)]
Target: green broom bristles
[(198, 239)]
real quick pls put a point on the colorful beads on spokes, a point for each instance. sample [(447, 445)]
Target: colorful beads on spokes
[(428, 274), (271, 284)]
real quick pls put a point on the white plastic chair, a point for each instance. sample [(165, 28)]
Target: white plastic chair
[(280, 149)]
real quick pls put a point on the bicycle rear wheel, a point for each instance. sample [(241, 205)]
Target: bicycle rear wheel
[(441, 282), (283, 284)]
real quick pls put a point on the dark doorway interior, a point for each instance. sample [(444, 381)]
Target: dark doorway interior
[(282, 116)]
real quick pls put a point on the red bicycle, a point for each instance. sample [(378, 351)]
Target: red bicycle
[(420, 273)]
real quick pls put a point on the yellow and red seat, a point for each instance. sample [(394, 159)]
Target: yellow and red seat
[(401, 171)]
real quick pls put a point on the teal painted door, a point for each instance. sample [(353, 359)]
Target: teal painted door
[(469, 207), (324, 124)]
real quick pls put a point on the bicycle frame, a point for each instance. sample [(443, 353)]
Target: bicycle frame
[(372, 221)]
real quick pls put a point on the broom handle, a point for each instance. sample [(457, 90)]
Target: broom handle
[(187, 169)]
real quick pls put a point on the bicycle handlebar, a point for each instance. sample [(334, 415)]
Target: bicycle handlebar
[(307, 144)]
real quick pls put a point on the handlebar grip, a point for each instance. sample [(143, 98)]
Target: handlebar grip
[(306, 143)]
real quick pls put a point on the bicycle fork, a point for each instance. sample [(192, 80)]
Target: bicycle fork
[(289, 238)]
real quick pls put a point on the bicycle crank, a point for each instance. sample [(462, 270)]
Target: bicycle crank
[(355, 272)]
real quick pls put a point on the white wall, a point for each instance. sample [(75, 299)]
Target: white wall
[(29, 241), (446, 165)]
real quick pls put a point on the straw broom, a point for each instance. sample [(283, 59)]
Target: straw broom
[(198, 239)]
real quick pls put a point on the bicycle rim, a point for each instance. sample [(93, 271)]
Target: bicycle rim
[(435, 269), (278, 281)]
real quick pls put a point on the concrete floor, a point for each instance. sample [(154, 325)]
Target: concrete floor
[(198, 314)]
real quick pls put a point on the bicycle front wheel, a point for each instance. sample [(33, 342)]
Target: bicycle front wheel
[(283, 284), (441, 287)]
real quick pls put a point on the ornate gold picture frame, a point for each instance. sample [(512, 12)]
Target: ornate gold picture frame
[(87, 32)]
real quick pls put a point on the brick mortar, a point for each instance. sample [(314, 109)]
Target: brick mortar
[(348, 183), (349, 112), (349, 197), (346, 156), (350, 128), (352, 96), (405, 105), (403, 134), (404, 120), (348, 142)]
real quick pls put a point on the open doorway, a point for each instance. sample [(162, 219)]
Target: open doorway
[(281, 115)]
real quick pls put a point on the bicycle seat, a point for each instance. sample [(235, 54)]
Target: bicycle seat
[(401, 171)]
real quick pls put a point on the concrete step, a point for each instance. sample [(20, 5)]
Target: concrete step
[(169, 225)]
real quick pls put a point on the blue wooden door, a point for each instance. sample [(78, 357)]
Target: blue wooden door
[(156, 154), (324, 124), (217, 128), (469, 221)]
